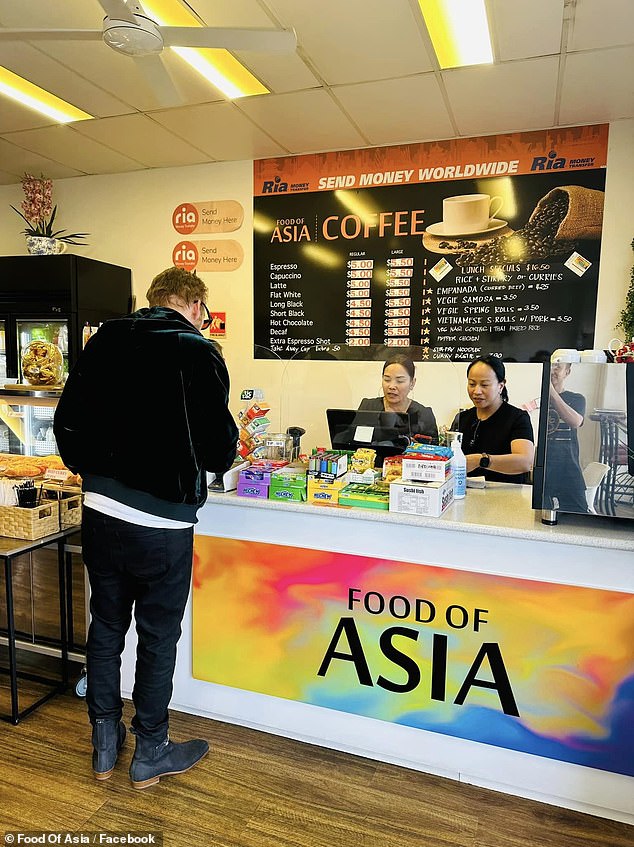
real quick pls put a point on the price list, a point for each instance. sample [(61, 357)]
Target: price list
[(359, 302), (398, 301), (383, 275)]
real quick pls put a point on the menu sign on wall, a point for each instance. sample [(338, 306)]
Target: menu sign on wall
[(448, 249)]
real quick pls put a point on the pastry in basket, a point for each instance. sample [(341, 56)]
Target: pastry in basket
[(22, 467), (51, 462)]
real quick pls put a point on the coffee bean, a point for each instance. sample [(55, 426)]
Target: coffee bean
[(537, 239)]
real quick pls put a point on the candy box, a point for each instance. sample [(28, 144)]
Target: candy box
[(368, 477), (365, 496), (422, 468), (253, 488), (254, 483), (288, 484), (421, 498), (257, 410), (257, 425), (321, 491)]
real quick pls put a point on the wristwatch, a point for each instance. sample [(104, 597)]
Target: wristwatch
[(485, 461)]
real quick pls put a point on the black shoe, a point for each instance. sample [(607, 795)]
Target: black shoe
[(151, 761), (108, 736)]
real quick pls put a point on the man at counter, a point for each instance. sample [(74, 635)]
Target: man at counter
[(143, 415)]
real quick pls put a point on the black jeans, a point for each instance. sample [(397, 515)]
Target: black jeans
[(150, 569)]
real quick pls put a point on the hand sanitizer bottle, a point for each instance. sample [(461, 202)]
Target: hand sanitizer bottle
[(459, 467)]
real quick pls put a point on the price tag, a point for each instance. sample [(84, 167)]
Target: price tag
[(57, 474)]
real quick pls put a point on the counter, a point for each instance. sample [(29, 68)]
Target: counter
[(482, 646)]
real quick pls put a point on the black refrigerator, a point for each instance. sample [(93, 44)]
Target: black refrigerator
[(60, 299), (57, 299)]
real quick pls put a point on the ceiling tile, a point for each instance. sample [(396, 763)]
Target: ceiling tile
[(67, 147), (358, 40), (7, 178), (240, 13), (143, 140), (221, 130), (121, 77), (19, 161), (503, 98), (526, 28), (38, 67), (280, 73), (83, 14), (598, 78), (602, 23), (397, 110), (303, 122)]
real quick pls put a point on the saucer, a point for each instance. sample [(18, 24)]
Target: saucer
[(439, 229)]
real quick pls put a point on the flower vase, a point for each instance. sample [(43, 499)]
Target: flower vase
[(39, 245)]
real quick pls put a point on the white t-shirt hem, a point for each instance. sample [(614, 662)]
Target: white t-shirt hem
[(115, 509)]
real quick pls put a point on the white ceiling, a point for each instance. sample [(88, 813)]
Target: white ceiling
[(364, 74)]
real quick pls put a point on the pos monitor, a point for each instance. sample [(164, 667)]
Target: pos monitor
[(389, 433)]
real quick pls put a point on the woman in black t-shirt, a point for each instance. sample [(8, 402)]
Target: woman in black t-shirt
[(497, 438)]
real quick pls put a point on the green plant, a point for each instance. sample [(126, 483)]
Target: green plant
[(39, 213), (627, 315)]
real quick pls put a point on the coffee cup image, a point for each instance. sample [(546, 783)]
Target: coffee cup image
[(468, 214)]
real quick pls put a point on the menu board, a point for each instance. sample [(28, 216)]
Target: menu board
[(447, 250)]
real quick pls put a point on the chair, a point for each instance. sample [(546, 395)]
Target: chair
[(593, 475)]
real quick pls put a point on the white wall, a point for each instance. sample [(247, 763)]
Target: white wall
[(129, 218)]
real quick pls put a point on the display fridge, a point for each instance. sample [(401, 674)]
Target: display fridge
[(61, 299)]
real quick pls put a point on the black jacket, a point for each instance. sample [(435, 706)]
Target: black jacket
[(144, 413)]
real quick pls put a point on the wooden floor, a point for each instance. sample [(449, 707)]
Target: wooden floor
[(259, 790)]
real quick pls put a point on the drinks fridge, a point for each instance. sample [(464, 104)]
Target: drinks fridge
[(59, 299)]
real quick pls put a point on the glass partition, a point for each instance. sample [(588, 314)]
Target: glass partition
[(585, 460)]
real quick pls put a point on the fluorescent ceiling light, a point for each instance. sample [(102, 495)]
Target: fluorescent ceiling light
[(217, 66), (459, 31), (34, 97)]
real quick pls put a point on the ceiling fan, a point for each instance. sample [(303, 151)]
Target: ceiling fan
[(127, 29)]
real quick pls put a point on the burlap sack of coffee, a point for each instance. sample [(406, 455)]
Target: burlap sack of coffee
[(585, 212)]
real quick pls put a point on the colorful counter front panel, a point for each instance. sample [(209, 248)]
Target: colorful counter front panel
[(530, 666)]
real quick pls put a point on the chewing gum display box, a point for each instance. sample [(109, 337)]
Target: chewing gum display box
[(425, 468), (254, 482), (323, 491), (366, 496), (421, 498), (288, 484)]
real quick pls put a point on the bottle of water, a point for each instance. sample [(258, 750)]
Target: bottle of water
[(459, 468)]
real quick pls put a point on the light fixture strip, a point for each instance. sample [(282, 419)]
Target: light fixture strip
[(243, 83), (38, 99), (459, 31)]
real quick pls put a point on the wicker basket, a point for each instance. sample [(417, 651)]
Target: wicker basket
[(16, 522), (70, 511)]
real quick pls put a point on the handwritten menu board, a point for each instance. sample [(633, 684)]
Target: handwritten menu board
[(446, 250)]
